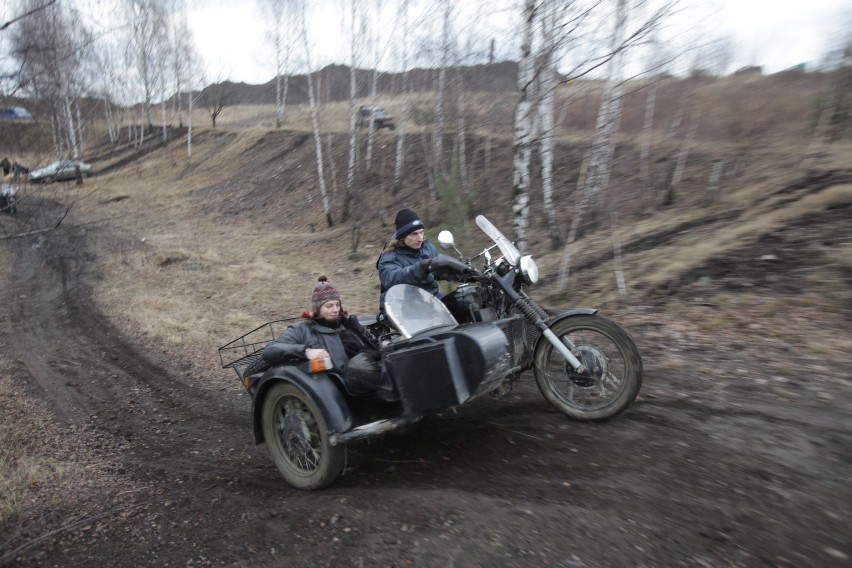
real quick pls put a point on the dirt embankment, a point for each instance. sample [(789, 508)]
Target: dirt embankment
[(736, 454)]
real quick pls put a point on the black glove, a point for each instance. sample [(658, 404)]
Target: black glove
[(445, 267)]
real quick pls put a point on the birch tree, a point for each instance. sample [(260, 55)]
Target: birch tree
[(403, 119), (556, 28), (439, 170), (657, 64), (52, 47), (146, 22), (277, 14), (184, 58), (375, 51), (312, 102), (523, 133), (353, 111), (609, 113)]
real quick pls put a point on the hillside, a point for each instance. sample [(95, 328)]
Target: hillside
[(124, 442)]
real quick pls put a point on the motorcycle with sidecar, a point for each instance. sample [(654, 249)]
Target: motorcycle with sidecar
[(439, 355)]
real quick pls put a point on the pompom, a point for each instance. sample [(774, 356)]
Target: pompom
[(322, 279)]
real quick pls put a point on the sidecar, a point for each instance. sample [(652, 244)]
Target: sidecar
[(306, 415)]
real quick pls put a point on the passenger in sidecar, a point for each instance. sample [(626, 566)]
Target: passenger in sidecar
[(307, 415), (327, 332)]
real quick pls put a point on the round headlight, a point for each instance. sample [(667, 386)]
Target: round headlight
[(529, 269)]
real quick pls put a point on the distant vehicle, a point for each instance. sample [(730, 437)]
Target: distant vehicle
[(7, 198), (376, 116), (14, 113), (60, 171)]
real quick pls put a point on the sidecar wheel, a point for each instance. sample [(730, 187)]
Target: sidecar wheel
[(614, 369), (297, 437)]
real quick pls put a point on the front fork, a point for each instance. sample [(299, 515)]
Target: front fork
[(537, 317), (565, 346)]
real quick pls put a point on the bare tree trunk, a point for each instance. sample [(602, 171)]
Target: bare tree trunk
[(565, 267), (460, 136), (546, 155), (326, 205), (618, 266), (312, 102), (406, 89), (80, 137), (371, 128), (57, 135), (72, 137), (713, 182), (111, 126), (189, 127), (163, 109), (274, 11), (829, 107), (645, 174), (353, 115), (682, 155), (486, 166), (403, 119), (603, 147), (523, 134), (331, 166), (440, 115)]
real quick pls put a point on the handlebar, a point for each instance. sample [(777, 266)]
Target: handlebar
[(444, 262)]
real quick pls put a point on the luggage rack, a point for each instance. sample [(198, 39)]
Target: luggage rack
[(247, 349)]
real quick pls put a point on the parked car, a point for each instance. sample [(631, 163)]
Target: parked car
[(376, 116), (7, 198), (60, 171)]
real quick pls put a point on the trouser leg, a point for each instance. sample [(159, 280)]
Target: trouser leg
[(364, 374)]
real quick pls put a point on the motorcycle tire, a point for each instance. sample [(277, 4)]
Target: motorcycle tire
[(257, 366), (297, 437), (614, 369)]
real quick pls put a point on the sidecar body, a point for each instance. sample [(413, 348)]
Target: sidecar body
[(434, 364)]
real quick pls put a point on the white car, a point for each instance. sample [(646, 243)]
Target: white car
[(60, 171), (7, 198)]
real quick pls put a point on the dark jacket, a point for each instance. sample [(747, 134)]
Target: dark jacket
[(312, 334), (402, 265)]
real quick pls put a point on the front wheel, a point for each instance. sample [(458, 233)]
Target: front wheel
[(613, 365), (297, 437)]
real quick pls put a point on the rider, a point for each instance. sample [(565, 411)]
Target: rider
[(330, 332), (405, 259)]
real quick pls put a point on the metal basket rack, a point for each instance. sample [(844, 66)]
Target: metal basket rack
[(247, 349)]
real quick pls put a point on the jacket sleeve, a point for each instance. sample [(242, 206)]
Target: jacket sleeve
[(290, 344), (393, 270), (362, 332)]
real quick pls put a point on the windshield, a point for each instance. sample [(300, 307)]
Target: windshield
[(412, 310), (510, 252)]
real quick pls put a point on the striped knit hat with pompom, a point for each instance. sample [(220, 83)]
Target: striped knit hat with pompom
[(324, 292)]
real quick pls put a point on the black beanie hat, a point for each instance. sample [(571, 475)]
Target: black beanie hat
[(407, 221)]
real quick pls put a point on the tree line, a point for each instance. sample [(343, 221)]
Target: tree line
[(139, 62)]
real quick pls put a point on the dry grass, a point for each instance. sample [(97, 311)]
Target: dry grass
[(188, 277)]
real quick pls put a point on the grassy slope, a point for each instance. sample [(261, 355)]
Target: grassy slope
[(191, 255)]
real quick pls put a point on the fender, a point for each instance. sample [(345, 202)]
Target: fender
[(318, 387), (564, 315)]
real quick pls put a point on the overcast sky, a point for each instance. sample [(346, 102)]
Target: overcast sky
[(775, 34)]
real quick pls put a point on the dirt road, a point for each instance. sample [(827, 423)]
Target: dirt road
[(721, 462)]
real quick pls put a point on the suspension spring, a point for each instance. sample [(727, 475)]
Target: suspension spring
[(531, 310)]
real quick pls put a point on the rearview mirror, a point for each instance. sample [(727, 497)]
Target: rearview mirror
[(445, 239)]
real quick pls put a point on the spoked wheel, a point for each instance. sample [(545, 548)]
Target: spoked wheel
[(612, 375), (297, 437)]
